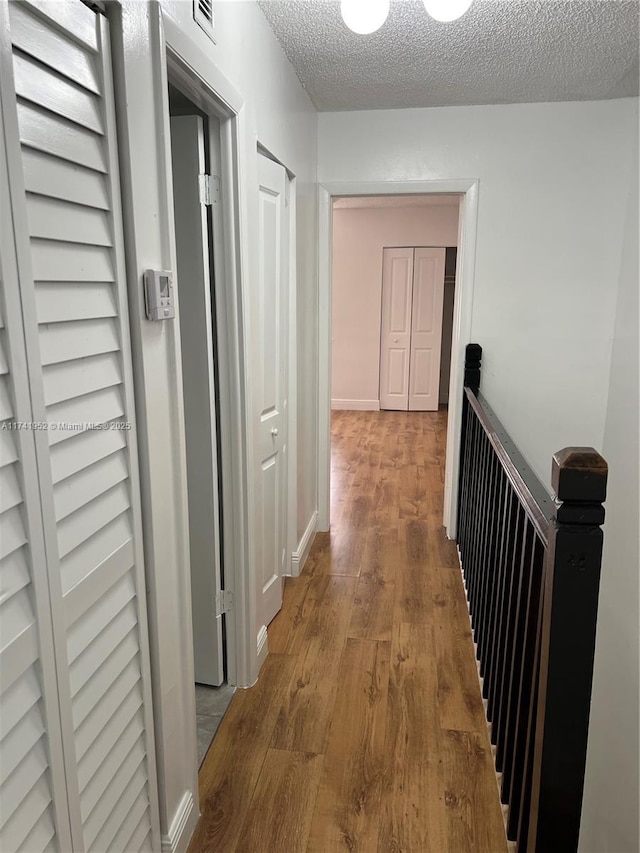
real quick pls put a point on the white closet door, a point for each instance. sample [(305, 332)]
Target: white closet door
[(33, 803), (65, 190), (426, 329), (395, 342), (271, 384)]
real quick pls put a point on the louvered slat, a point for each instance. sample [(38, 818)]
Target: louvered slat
[(129, 746), (92, 517), (91, 482), (8, 451), (41, 839), (83, 633), (26, 817), (94, 552), (97, 688), (49, 90), (141, 840), (103, 711), (101, 648), (18, 700), (49, 176), (53, 219), (12, 533), (54, 49), (118, 839), (4, 366), (16, 615), (67, 341), (20, 740), (5, 401), (47, 133), (11, 493), (98, 581), (131, 770), (27, 773), (62, 302), (85, 375), (85, 449), (75, 20), (17, 656), (97, 408), (126, 721)]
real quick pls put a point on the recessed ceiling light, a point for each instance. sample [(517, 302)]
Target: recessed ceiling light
[(447, 10), (364, 16)]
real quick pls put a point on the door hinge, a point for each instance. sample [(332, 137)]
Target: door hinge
[(224, 602), (209, 189)]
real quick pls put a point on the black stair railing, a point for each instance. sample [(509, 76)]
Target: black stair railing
[(531, 564)]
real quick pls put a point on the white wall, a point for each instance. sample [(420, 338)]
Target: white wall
[(612, 791), (275, 111), (359, 236), (551, 268), (281, 117), (552, 184)]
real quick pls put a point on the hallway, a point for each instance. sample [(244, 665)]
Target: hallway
[(365, 731)]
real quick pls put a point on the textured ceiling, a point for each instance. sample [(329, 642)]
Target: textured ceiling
[(376, 201), (500, 52)]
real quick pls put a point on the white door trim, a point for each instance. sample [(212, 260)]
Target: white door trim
[(463, 305), (292, 420), (231, 360), (147, 197)]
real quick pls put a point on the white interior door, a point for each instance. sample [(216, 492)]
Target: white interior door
[(198, 377), (59, 128), (395, 341), (426, 329), (271, 385)]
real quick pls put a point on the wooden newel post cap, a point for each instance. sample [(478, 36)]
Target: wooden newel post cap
[(473, 354), (579, 474)]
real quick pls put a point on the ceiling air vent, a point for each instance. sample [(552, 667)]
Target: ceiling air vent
[(203, 15)]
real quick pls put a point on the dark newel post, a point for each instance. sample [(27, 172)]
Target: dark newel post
[(473, 358), (579, 479)]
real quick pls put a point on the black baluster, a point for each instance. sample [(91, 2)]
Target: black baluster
[(515, 575), (493, 589), (487, 588)]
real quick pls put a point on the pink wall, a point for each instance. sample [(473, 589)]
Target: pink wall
[(359, 236)]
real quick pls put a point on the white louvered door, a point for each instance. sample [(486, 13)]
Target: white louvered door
[(64, 181), (33, 810)]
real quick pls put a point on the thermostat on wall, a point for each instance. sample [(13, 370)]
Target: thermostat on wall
[(158, 294)]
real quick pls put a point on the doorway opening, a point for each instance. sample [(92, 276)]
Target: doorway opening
[(359, 194), (392, 303), (196, 169)]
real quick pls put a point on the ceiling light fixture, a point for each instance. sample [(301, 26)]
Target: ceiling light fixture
[(446, 10), (364, 16)]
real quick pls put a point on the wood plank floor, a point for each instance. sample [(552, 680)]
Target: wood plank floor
[(366, 730)]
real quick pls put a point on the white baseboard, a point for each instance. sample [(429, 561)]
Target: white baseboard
[(299, 556), (182, 826), (263, 646), (357, 405)]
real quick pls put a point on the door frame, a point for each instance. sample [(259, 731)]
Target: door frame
[(227, 283), (148, 48), (465, 270)]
